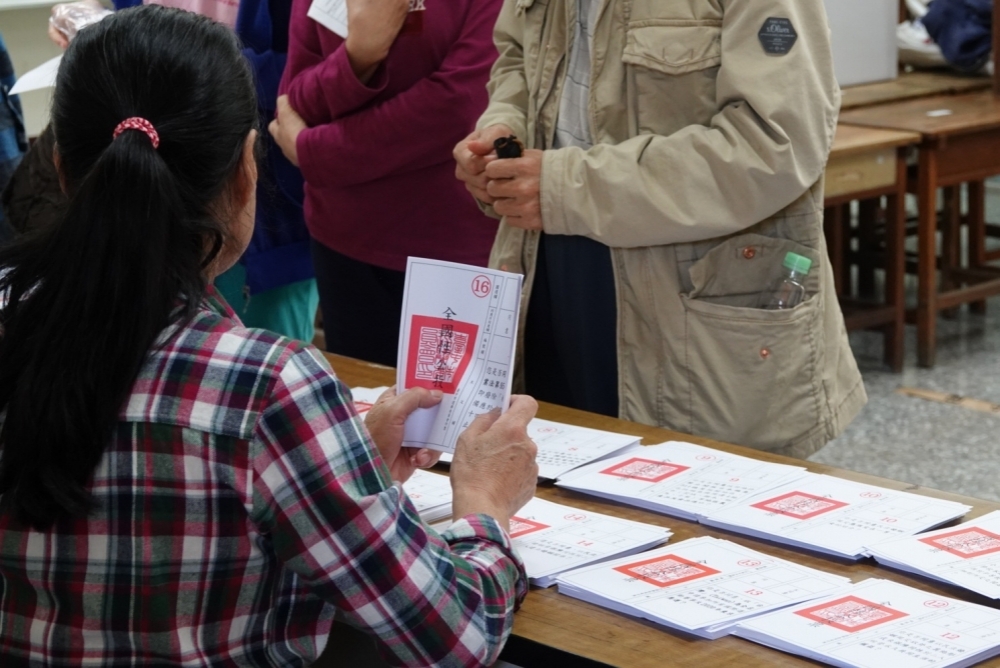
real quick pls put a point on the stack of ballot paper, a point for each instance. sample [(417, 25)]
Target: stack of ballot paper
[(365, 398), (561, 447), (431, 494), (703, 586), (680, 479), (967, 555), (881, 624), (552, 538), (835, 516)]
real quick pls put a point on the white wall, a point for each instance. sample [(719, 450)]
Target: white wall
[(24, 31)]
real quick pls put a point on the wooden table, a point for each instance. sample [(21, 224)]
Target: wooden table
[(586, 631), (912, 85), (961, 144), (866, 164)]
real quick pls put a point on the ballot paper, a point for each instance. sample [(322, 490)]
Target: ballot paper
[(431, 494), (703, 586), (365, 398), (679, 479), (835, 516), (457, 335), (331, 14), (552, 538), (881, 624), (967, 555), (43, 76), (563, 447)]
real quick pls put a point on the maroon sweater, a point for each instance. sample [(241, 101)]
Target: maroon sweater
[(380, 178)]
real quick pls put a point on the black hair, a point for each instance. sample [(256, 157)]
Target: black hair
[(87, 298)]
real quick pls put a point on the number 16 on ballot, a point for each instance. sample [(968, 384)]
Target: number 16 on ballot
[(458, 334)]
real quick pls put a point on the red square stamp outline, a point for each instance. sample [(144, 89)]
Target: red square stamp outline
[(811, 613), (421, 370), (833, 504), (933, 541), (630, 570), (675, 469), (517, 532)]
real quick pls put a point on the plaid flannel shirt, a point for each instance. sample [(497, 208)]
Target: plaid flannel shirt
[(239, 504)]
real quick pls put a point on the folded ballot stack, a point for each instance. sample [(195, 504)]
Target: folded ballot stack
[(881, 624), (703, 586), (561, 447), (967, 555), (834, 516), (431, 494), (680, 479), (552, 538)]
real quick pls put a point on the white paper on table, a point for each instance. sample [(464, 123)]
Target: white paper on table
[(881, 624), (552, 538), (564, 447), (331, 14), (430, 493), (967, 555), (677, 478), (43, 76), (703, 585), (457, 335), (365, 398), (835, 516)]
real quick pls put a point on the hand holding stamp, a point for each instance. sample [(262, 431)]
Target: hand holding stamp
[(473, 154)]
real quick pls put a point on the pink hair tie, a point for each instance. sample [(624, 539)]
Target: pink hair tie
[(140, 124)]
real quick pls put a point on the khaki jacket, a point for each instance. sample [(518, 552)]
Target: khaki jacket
[(707, 169)]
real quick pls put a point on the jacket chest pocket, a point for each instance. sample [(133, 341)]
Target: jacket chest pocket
[(671, 70)]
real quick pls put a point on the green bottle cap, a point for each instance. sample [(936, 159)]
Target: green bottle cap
[(798, 263)]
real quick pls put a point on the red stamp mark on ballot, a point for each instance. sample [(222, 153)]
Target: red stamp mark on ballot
[(799, 505), (966, 543), (482, 286), (522, 527), (666, 571), (439, 353), (645, 469), (851, 614)]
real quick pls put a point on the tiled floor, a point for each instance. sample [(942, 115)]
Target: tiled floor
[(934, 444)]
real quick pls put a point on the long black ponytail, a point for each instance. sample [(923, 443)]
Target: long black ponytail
[(87, 298)]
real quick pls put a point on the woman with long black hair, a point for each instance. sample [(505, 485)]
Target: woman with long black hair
[(176, 489)]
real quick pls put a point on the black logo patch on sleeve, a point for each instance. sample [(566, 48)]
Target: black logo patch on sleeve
[(777, 36)]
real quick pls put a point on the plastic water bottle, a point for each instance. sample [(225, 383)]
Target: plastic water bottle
[(790, 292)]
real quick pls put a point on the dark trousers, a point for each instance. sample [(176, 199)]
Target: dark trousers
[(571, 340), (361, 306)]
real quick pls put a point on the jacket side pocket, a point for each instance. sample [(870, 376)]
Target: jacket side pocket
[(753, 374)]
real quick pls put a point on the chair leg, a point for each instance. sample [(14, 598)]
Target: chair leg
[(977, 233), (867, 245), (951, 241), (927, 290), (895, 269), (833, 229)]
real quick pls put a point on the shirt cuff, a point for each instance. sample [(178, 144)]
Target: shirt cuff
[(481, 529)]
